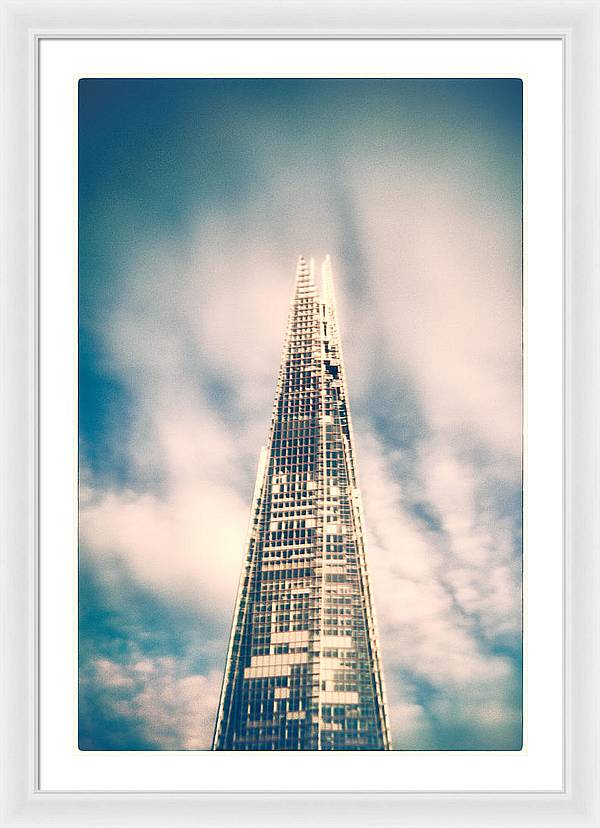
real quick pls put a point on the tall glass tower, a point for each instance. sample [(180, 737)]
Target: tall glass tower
[(303, 669)]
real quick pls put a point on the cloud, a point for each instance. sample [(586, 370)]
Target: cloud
[(173, 708), (446, 295), (149, 663), (446, 598), (187, 545)]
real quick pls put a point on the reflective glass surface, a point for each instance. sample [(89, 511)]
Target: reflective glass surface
[(303, 669)]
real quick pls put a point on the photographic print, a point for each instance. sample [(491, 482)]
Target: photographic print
[(300, 308)]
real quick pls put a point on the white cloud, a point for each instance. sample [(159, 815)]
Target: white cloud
[(174, 708), (188, 545), (436, 592), (446, 293)]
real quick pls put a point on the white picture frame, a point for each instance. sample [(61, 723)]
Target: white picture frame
[(577, 24)]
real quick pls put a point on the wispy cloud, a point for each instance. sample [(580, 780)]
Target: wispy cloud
[(447, 598), (173, 708)]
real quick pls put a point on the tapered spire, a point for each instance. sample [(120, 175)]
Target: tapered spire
[(304, 276), (327, 277), (303, 670)]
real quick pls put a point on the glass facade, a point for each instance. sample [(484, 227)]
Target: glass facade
[(303, 669)]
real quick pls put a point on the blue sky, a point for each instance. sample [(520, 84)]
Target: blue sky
[(195, 199)]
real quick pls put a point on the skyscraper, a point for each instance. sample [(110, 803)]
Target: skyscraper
[(303, 669)]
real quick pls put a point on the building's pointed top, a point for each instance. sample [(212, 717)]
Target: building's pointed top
[(304, 274), (327, 280)]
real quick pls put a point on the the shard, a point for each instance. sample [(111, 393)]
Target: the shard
[(303, 668)]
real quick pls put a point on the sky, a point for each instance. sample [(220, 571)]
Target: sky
[(196, 197)]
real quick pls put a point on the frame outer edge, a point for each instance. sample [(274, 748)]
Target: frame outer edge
[(18, 419), (293, 18), (580, 21), (582, 414)]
